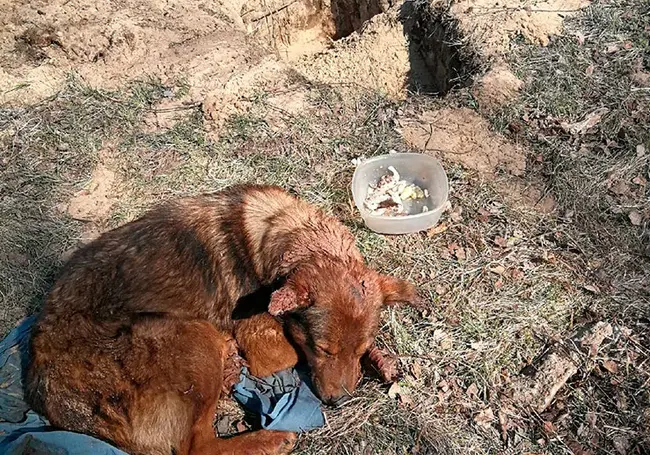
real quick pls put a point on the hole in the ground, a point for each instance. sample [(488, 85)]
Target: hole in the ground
[(441, 59), (349, 15), (439, 56)]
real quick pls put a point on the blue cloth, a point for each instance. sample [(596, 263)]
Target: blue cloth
[(22, 431), (283, 400)]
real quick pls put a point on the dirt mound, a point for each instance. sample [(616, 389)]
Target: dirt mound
[(462, 136), (107, 44), (378, 44), (377, 59), (534, 21), (497, 87)]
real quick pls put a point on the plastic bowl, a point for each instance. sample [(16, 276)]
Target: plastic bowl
[(424, 171)]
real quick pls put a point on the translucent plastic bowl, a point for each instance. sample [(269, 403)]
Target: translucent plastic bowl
[(422, 170)]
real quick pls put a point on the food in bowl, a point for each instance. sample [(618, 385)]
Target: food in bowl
[(387, 196)]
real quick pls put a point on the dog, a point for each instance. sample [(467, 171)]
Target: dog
[(131, 341)]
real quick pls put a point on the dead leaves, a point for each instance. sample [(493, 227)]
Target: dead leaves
[(457, 251), (635, 218), (483, 215), (595, 337), (591, 120), (396, 391), (484, 418), (472, 391), (500, 241), (437, 230), (610, 366)]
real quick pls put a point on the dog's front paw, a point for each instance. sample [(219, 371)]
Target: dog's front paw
[(232, 367), (278, 442), (383, 363)]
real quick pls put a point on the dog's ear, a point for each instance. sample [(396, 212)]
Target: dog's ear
[(287, 299), (395, 290)]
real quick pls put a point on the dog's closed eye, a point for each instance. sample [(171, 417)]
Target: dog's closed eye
[(326, 350)]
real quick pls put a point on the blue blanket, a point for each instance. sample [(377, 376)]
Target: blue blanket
[(284, 402)]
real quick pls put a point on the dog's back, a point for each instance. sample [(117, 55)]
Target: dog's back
[(147, 306), (131, 341)]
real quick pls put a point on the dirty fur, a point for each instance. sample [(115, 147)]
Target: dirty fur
[(131, 343)]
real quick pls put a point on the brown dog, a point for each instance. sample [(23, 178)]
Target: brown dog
[(131, 340)]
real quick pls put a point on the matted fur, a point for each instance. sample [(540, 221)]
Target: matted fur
[(131, 342)]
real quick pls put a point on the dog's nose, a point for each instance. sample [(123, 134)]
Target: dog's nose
[(337, 401)]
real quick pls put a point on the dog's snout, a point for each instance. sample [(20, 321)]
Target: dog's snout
[(337, 401)]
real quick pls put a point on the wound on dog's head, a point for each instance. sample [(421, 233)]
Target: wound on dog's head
[(331, 312)]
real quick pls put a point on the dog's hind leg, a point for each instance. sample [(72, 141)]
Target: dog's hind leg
[(261, 442), (195, 353)]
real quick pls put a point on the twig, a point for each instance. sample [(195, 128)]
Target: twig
[(271, 13)]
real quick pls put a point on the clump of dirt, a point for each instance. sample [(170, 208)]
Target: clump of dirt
[(496, 88), (463, 136), (526, 194), (555, 369), (377, 59), (535, 22), (110, 44), (94, 202), (441, 57)]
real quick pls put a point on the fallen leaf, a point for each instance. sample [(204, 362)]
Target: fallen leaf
[(484, 418), (635, 218), (517, 274), (456, 214), (441, 289), (394, 390), (620, 188), (472, 391), (483, 215), (416, 370), (595, 337), (499, 270), (241, 426), (405, 399), (578, 449), (592, 119), (503, 423), (590, 70), (500, 241), (621, 444), (479, 345), (548, 427), (498, 284), (591, 288), (640, 150), (639, 181), (610, 366), (611, 48), (580, 37), (439, 229), (590, 417), (456, 250)]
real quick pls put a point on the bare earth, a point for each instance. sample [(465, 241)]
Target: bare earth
[(535, 339)]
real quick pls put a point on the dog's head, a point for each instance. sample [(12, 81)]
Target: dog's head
[(331, 312)]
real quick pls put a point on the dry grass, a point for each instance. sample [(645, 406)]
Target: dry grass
[(47, 152), (503, 281), (598, 177)]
